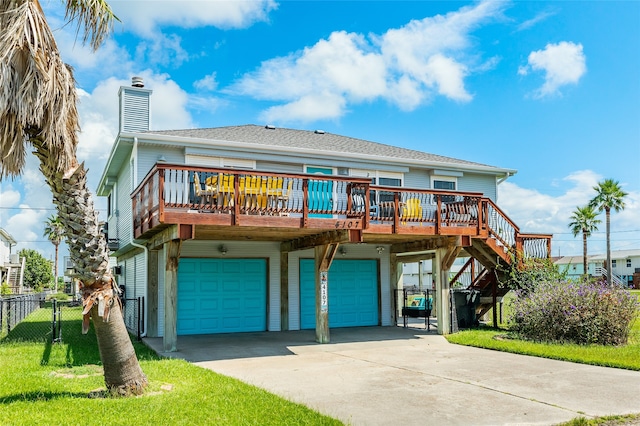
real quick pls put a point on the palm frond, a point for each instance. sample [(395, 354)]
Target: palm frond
[(37, 90), (95, 17)]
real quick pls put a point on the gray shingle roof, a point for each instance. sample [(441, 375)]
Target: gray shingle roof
[(311, 140)]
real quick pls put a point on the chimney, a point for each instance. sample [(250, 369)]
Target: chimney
[(135, 114)]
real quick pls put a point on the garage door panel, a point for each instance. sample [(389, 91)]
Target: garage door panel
[(213, 296), (353, 293), (207, 267)]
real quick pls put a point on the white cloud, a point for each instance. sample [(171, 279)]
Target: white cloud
[(530, 23), (563, 63), (165, 50), (144, 17), (207, 82), (536, 212), (407, 66)]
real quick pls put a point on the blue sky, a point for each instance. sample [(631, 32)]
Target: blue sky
[(551, 89)]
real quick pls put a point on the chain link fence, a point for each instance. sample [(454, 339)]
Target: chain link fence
[(34, 318)]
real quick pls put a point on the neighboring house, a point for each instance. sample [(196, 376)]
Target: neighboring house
[(624, 265), (235, 228), (572, 265), (11, 265)]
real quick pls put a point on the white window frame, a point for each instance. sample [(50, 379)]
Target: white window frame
[(207, 161), (444, 179), (377, 174)]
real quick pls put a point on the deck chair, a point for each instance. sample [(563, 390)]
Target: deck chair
[(203, 194), (412, 210), (226, 188), (253, 190)]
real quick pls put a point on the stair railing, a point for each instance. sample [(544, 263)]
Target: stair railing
[(602, 272)]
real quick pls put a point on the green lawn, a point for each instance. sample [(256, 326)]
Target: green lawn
[(627, 356), (41, 383)]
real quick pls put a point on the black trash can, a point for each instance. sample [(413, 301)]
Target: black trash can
[(465, 301)]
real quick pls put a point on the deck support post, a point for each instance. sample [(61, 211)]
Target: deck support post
[(172, 256), (323, 257), (284, 290), (152, 294), (396, 272), (443, 260)]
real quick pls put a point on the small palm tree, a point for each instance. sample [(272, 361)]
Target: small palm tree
[(54, 231), (609, 196), (584, 219), (38, 110)]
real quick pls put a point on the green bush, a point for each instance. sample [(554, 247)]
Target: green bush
[(582, 313), (5, 290)]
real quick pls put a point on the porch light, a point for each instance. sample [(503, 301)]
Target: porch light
[(222, 249), (380, 249), (343, 251)]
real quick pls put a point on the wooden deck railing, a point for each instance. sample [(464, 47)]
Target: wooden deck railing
[(238, 197)]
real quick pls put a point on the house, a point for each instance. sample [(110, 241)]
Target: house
[(573, 266), (259, 228), (11, 265), (625, 265)]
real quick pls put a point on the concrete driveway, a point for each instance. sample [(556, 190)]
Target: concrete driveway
[(392, 375)]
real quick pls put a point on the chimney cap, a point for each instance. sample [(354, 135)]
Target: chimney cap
[(137, 82)]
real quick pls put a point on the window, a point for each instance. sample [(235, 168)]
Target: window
[(628, 263), (383, 179), (446, 183), (613, 263), (109, 205)]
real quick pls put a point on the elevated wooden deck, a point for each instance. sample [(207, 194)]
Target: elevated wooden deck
[(298, 209), (240, 204)]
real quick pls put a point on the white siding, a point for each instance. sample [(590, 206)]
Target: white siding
[(418, 179), (279, 167), (123, 220), (134, 109), (478, 183), (149, 155)]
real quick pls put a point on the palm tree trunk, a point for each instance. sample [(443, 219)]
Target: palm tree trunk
[(609, 272), (584, 255), (89, 253), (55, 283), (117, 354)]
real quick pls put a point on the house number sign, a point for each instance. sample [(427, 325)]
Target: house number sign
[(324, 296), (348, 224)]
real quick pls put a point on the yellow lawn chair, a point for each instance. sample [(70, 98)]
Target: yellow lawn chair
[(412, 211)]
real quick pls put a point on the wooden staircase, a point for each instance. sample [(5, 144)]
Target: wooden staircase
[(500, 247)]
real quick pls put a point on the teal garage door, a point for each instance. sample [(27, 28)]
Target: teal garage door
[(353, 293), (222, 295)]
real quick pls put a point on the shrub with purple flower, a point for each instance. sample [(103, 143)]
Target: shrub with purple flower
[(575, 312)]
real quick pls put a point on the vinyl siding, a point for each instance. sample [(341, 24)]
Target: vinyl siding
[(123, 218), (148, 156), (478, 183), (416, 178), (134, 110), (279, 167)]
